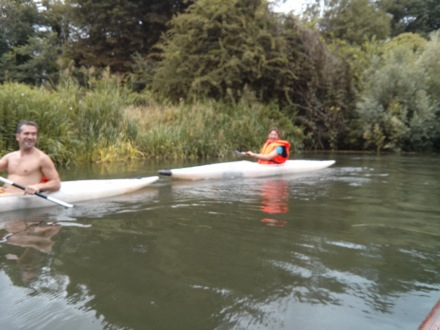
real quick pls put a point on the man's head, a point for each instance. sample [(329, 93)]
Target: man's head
[(26, 134), (21, 123)]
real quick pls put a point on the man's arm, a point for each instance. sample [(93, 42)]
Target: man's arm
[(48, 169), (4, 163)]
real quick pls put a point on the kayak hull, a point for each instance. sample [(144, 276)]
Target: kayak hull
[(246, 169), (76, 191), (432, 321)]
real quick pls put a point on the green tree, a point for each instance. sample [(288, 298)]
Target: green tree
[(34, 51), (397, 109), (221, 49), (429, 61), (18, 19), (107, 33), (416, 16), (217, 49), (40, 67), (354, 21)]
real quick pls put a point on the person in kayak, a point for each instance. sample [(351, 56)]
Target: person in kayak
[(274, 151), (29, 166)]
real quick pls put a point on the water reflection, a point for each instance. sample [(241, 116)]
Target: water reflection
[(36, 238), (360, 252), (275, 201)]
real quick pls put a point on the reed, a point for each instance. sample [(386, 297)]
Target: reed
[(204, 129), (18, 102), (110, 123)]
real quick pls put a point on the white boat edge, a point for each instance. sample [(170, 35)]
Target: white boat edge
[(76, 191), (245, 169)]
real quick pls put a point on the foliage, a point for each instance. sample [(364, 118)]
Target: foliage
[(35, 43), (108, 33), (324, 90), (217, 48), (331, 79), (208, 128), (23, 102), (429, 60), (107, 123), (396, 108), (142, 72), (354, 21), (415, 16), (75, 125), (98, 118), (40, 67), (17, 20)]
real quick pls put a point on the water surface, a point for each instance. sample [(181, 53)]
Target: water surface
[(355, 246)]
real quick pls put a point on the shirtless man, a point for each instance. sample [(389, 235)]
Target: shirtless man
[(29, 165)]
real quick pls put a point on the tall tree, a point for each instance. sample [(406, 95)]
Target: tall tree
[(354, 21), (40, 67), (416, 16), (397, 108), (222, 48), (109, 32), (18, 19), (219, 48), (323, 94)]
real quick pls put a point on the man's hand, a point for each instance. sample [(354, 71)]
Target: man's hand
[(31, 190)]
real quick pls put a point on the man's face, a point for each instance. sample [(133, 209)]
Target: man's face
[(27, 138)]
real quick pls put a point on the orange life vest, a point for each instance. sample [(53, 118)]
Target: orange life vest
[(268, 147)]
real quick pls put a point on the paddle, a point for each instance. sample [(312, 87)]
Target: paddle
[(49, 198), (239, 152)]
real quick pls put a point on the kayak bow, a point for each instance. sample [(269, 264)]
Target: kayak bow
[(77, 191)]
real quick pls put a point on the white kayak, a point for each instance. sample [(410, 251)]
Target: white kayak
[(76, 191), (246, 169)]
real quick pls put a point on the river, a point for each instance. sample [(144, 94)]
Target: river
[(354, 246)]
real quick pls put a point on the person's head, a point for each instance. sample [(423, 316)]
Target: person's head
[(22, 123), (26, 134), (274, 134)]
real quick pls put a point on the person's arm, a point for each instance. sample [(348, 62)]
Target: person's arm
[(48, 170), (270, 156), (3, 163)]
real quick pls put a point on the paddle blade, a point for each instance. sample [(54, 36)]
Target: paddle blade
[(165, 172)]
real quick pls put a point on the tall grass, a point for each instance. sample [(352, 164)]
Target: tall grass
[(109, 123), (22, 102), (205, 129)]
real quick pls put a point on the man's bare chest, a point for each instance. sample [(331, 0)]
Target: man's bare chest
[(23, 166)]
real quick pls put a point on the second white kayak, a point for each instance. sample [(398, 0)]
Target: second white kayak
[(245, 169)]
